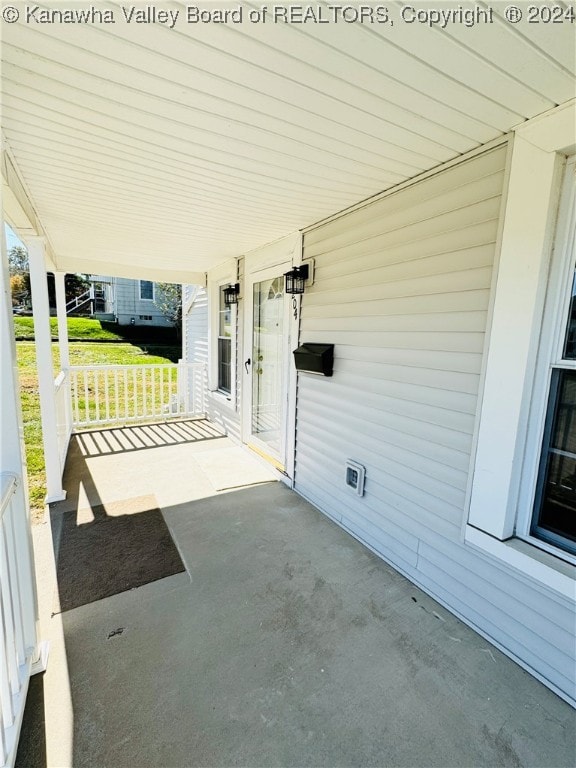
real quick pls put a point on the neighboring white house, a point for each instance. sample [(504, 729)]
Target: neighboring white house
[(126, 301)]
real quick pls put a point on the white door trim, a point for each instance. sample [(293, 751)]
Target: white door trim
[(251, 440), (272, 260)]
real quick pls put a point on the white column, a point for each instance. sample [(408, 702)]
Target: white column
[(11, 429), (12, 453), (62, 320), (41, 312), (63, 345)]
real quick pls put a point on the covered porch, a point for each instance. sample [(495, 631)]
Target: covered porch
[(284, 642), (212, 154)]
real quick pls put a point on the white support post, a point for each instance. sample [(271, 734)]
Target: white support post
[(11, 426), (12, 461), (62, 320), (59, 281), (42, 335), (12, 453)]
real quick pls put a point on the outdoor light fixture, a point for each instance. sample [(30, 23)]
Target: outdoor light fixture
[(231, 294), (296, 279)]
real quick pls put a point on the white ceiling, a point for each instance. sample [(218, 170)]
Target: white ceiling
[(148, 150)]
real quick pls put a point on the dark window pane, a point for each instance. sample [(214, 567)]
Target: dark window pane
[(224, 365), (224, 316), (225, 323), (570, 343), (146, 289), (556, 491)]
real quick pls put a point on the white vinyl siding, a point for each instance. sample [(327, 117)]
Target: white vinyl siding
[(128, 304), (402, 288), (220, 409), (195, 332)]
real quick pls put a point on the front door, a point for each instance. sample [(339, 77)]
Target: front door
[(267, 351)]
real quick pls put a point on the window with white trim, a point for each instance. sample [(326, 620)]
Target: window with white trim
[(554, 512), (224, 344), (146, 290), (521, 355)]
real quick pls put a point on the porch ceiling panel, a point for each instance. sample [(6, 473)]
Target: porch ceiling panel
[(145, 147)]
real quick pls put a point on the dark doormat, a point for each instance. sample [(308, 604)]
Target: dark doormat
[(111, 548)]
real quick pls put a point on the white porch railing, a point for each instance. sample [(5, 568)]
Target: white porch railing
[(17, 613), (78, 301), (114, 394), (63, 414)]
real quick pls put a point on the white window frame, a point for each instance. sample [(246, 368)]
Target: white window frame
[(495, 522), (230, 339), (550, 357), (142, 298), (221, 276)]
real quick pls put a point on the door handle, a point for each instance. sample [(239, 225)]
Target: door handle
[(246, 364)]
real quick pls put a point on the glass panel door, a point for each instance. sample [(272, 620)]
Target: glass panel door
[(268, 354)]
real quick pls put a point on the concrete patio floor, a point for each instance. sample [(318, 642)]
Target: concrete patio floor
[(285, 642)]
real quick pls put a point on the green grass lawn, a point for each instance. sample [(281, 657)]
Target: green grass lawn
[(78, 328), (89, 329), (80, 354)]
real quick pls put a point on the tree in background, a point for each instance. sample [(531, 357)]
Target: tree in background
[(18, 260), (19, 275), (169, 302), (19, 289), (75, 284)]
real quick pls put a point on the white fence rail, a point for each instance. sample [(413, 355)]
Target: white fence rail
[(63, 414), (17, 613), (78, 301), (115, 394)]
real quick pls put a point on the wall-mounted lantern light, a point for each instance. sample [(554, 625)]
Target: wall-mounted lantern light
[(231, 294), (296, 279)]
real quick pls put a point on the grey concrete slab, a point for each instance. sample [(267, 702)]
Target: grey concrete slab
[(116, 464), (287, 643)]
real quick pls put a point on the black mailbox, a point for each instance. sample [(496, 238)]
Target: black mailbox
[(315, 358)]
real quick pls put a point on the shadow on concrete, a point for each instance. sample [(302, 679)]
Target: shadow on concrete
[(107, 547), (126, 545), (286, 643), (293, 645), (103, 442), (32, 745)]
